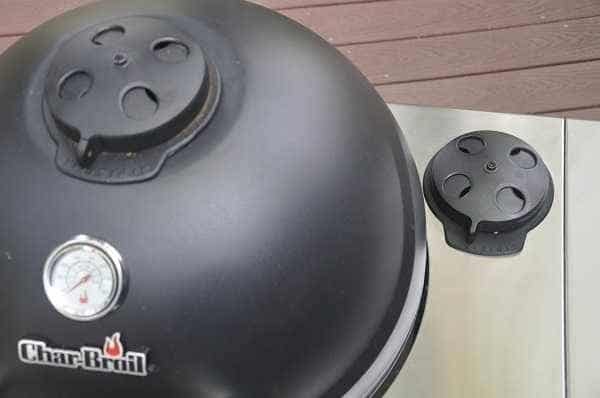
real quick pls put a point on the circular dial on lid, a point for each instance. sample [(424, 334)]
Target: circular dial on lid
[(84, 278)]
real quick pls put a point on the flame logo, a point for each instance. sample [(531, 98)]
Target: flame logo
[(113, 347)]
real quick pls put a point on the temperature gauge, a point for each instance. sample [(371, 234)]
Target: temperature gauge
[(84, 278)]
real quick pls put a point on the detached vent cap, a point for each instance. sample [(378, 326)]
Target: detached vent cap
[(489, 189)]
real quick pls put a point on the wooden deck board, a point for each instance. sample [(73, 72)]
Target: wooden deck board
[(538, 90), (480, 52), (586, 113), (525, 56), (397, 19)]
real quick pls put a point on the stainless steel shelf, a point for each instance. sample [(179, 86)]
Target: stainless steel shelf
[(494, 327)]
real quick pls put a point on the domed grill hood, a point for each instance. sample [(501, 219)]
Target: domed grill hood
[(267, 211)]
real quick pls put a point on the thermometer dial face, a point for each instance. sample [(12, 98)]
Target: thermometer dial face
[(83, 278)]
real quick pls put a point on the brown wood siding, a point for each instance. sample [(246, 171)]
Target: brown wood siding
[(524, 56)]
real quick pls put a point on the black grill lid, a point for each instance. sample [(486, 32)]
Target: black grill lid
[(262, 198)]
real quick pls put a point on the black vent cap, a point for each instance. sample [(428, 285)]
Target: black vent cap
[(489, 189)]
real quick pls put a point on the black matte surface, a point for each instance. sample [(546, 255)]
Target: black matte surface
[(489, 189), (272, 257)]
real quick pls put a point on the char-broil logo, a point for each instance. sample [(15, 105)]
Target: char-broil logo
[(112, 358)]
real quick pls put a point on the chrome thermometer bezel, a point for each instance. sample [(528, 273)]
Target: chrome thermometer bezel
[(113, 260)]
